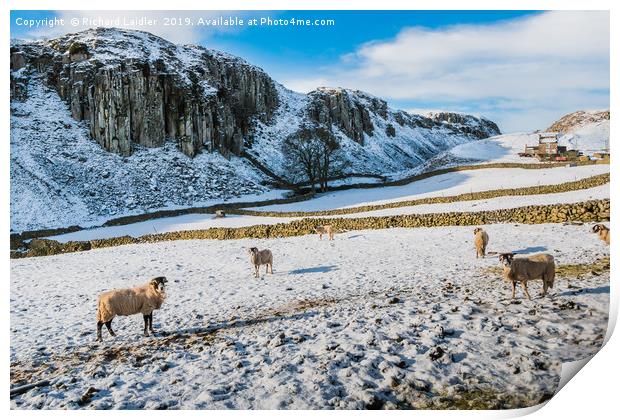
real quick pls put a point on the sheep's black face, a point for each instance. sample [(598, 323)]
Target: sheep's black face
[(252, 251), (477, 230), (596, 228), (159, 284), (506, 259)]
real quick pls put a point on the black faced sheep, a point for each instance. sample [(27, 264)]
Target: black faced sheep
[(258, 258), (603, 232), (140, 299), (522, 270)]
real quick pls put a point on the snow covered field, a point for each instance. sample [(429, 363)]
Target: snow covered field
[(503, 148), (372, 319), (206, 221), (597, 193), (444, 185)]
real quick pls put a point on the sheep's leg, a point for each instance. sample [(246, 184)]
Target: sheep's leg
[(99, 326), (524, 285), (146, 324), (109, 327), (151, 323), (256, 273), (270, 268), (545, 286), (514, 289)]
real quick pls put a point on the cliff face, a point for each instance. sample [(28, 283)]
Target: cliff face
[(337, 106), (132, 87), (477, 127), (352, 110)]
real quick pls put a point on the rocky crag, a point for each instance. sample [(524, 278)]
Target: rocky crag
[(132, 87), (575, 120)]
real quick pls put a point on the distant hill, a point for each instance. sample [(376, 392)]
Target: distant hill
[(587, 131)]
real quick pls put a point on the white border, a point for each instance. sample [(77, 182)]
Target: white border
[(591, 394)]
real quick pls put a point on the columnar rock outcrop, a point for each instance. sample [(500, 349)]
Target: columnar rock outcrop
[(200, 98), (352, 111), (347, 111)]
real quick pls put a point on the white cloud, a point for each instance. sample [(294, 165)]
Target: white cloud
[(518, 71)]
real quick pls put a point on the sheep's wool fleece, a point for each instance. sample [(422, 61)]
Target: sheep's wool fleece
[(481, 239), (141, 299), (532, 267)]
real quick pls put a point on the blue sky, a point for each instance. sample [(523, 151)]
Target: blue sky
[(482, 62)]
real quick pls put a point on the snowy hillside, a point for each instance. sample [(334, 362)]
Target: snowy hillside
[(587, 131), (59, 177), (589, 138), (173, 113), (331, 328), (396, 142)]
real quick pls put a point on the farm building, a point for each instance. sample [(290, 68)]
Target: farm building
[(549, 149)]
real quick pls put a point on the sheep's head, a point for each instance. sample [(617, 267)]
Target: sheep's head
[(597, 228), (253, 251), (159, 284), (506, 259), (477, 230)]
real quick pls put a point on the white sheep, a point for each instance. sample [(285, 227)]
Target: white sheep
[(538, 266), (481, 240), (140, 299), (603, 232), (258, 258)]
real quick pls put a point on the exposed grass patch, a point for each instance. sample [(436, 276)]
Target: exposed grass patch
[(576, 270), (482, 399)]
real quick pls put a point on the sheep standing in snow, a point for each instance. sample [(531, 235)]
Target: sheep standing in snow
[(522, 270), (140, 299), (258, 258), (481, 240), (325, 230), (603, 232)]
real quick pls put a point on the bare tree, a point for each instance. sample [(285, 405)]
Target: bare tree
[(310, 152)]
